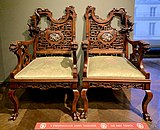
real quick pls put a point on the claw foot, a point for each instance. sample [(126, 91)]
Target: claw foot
[(147, 117), (83, 115), (76, 116), (13, 116)]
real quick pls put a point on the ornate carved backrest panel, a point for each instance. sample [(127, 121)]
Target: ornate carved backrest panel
[(59, 34), (102, 37)]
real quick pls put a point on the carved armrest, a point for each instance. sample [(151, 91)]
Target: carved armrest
[(85, 48), (21, 50), (85, 45), (139, 48), (74, 47)]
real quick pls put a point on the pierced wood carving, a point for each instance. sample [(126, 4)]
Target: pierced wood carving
[(100, 33), (139, 49), (22, 52), (42, 85), (63, 30), (116, 85)]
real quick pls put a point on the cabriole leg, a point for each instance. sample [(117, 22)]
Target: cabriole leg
[(85, 100), (74, 104), (146, 100), (15, 102)]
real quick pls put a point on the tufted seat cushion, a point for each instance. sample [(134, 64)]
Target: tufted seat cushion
[(47, 68), (112, 67)]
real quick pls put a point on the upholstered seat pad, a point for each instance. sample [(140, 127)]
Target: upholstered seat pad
[(47, 68), (112, 67)]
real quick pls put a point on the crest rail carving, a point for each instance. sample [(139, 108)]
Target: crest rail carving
[(60, 32)]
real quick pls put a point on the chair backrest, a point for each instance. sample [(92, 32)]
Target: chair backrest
[(57, 38), (102, 37)]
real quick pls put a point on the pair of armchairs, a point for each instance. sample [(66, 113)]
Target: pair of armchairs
[(52, 63)]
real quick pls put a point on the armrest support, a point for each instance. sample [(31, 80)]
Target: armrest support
[(74, 47), (139, 48), (85, 50), (20, 49)]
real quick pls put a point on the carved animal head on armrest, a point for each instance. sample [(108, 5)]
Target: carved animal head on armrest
[(146, 46), (13, 46)]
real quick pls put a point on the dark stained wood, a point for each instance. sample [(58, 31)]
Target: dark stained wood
[(103, 39), (15, 102), (148, 97), (58, 39)]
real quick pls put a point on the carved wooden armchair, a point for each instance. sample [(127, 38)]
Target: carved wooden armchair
[(52, 63), (106, 60)]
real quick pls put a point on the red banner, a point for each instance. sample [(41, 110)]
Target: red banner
[(91, 125)]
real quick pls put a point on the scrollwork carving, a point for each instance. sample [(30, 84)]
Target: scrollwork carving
[(117, 42), (41, 85), (13, 47), (116, 85), (85, 45), (98, 25), (55, 41), (22, 52), (146, 46), (74, 46)]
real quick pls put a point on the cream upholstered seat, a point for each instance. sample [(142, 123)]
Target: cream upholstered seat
[(112, 67), (47, 68)]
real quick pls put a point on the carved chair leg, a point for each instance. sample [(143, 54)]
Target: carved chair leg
[(15, 102), (74, 104), (146, 100), (85, 100), (65, 102)]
